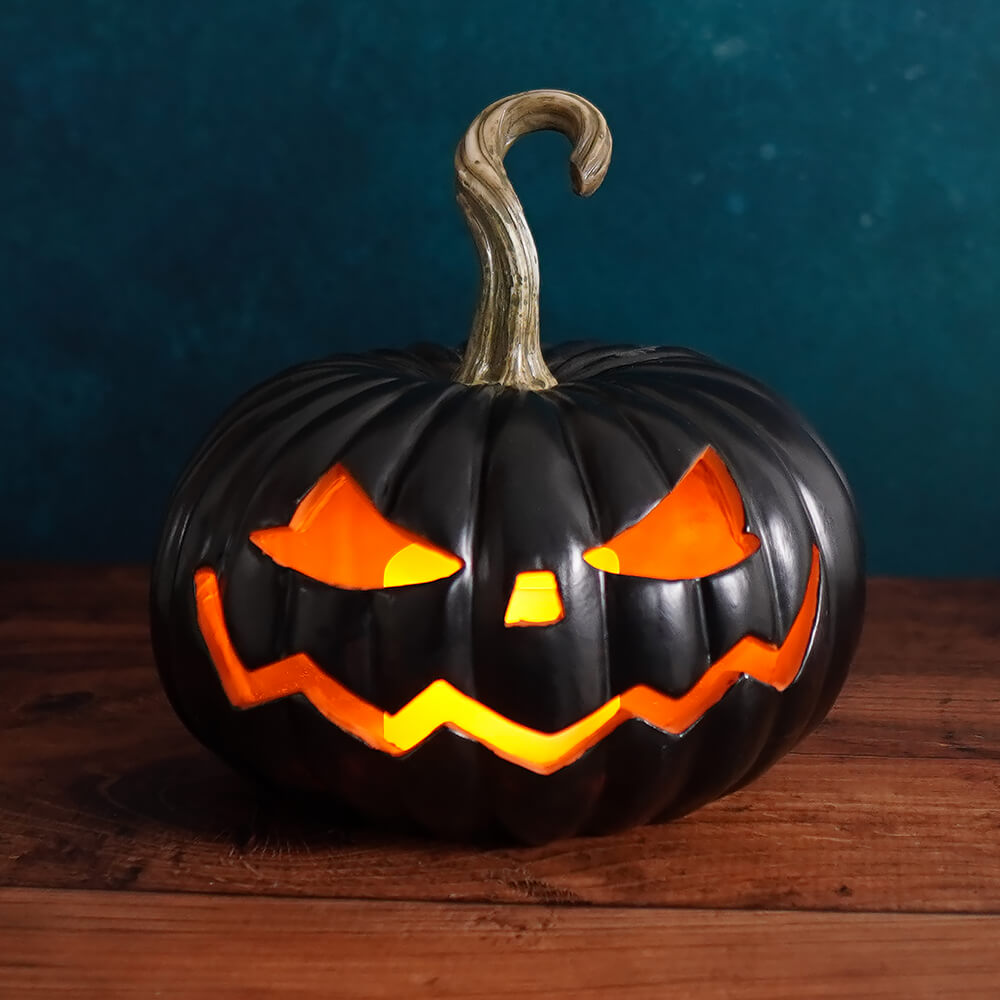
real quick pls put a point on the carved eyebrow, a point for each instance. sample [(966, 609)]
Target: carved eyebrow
[(339, 537), (696, 530)]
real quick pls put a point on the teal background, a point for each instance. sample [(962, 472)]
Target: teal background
[(196, 194)]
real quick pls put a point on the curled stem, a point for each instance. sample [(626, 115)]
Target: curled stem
[(504, 346)]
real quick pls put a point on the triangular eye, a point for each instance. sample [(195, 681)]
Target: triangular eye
[(337, 536), (697, 529)]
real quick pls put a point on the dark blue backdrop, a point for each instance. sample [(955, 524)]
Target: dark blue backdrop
[(195, 194)]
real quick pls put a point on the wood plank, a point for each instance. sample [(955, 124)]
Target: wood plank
[(816, 833), (110, 945), (890, 805), (926, 680)]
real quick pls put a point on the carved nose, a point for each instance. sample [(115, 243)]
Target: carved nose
[(534, 600)]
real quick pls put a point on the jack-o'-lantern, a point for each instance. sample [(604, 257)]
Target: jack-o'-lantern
[(555, 592)]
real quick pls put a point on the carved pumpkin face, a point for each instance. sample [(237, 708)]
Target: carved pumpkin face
[(553, 594), (568, 610), (338, 537)]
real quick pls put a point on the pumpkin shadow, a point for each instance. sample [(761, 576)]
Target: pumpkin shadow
[(198, 795)]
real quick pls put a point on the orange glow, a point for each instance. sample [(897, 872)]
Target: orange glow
[(337, 536), (604, 558), (441, 704), (696, 530), (534, 600)]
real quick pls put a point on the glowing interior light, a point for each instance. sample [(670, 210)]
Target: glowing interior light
[(534, 600), (698, 529), (418, 563), (441, 704), (603, 558), (338, 536), (412, 724)]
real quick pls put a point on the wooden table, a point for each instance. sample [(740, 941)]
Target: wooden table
[(866, 864)]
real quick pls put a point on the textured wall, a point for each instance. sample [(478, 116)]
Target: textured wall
[(194, 195)]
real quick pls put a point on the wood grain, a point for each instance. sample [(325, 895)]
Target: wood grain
[(890, 806), (171, 945)]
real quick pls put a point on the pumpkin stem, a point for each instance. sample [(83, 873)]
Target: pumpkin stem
[(503, 345)]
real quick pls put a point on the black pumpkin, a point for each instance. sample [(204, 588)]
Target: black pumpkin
[(670, 675)]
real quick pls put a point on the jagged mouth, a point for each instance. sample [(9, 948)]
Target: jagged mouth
[(441, 705)]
